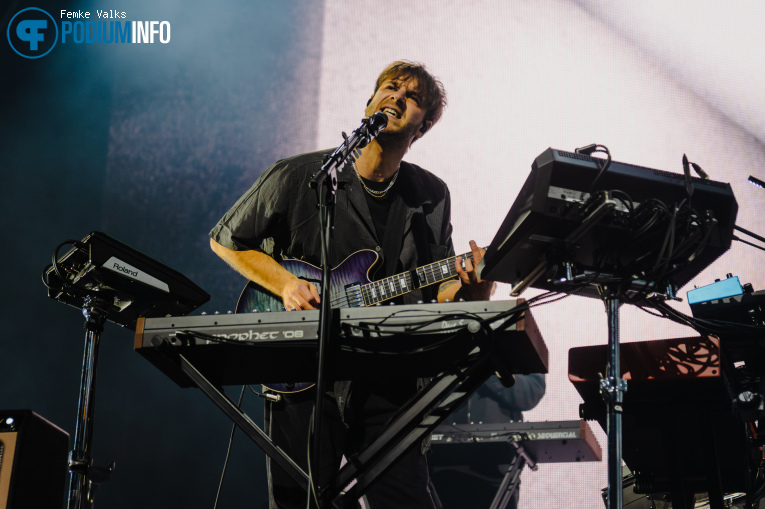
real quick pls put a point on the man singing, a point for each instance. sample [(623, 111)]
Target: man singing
[(384, 204)]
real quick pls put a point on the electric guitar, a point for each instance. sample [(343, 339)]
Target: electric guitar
[(349, 287)]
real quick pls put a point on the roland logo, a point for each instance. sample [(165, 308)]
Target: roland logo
[(120, 268)]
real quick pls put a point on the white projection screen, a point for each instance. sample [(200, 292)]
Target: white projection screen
[(651, 80)]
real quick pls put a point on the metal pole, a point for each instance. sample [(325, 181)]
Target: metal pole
[(80, 459), (612, 389)]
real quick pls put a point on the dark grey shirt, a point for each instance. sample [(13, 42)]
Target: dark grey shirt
[(495, 403), (279, 216)]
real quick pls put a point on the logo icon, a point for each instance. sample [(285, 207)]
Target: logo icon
[(32, 33)]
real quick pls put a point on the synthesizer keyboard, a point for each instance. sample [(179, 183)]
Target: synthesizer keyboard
[(368, 343), (546, 442)]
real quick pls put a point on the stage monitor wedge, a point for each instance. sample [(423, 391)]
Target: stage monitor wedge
[(33, 461), (626, 242)]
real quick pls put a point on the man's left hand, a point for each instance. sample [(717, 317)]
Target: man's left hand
[(473, 288)]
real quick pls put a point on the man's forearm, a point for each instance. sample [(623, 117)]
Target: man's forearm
[(255, 266), (448, 290), (454, 290)]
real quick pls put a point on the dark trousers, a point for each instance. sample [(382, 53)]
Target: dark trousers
[(403, 486)]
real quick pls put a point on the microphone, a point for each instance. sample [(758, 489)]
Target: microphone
[(377, 123), (370, 127)]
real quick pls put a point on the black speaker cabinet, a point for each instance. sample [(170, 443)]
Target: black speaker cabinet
[(33, 461)]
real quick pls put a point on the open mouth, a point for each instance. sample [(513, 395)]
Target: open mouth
[(391, 112)]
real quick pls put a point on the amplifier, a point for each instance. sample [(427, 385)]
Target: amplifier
[(33, 461)]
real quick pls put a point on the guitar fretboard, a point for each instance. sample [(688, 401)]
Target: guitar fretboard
[(393, 286)]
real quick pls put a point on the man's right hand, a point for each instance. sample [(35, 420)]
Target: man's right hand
[(260, 268), (300, 294)]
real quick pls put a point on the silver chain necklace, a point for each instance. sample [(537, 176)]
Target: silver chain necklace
[(376, 194)]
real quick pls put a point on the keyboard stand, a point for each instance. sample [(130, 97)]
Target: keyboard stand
[(414, 421), (244, 422), (512, 477)]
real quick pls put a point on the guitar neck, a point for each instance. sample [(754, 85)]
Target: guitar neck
[(400, 284)]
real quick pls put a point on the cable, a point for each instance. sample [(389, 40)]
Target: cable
[(706, 326), (390, 331), (65, 284), (457, 331), (228, 453), (625, 199), (46, 282), (312, 494), (55, 260), (603, 168)]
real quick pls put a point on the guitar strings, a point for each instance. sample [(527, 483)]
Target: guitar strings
[(429, 274)]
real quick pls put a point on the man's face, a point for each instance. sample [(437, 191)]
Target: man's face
[(399, 99)]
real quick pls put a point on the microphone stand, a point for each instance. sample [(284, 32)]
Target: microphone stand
[(325, 183)]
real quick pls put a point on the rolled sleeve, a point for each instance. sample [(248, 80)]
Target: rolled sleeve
[(259, 214)]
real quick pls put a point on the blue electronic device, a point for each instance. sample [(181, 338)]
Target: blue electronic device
[(718, 290)]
